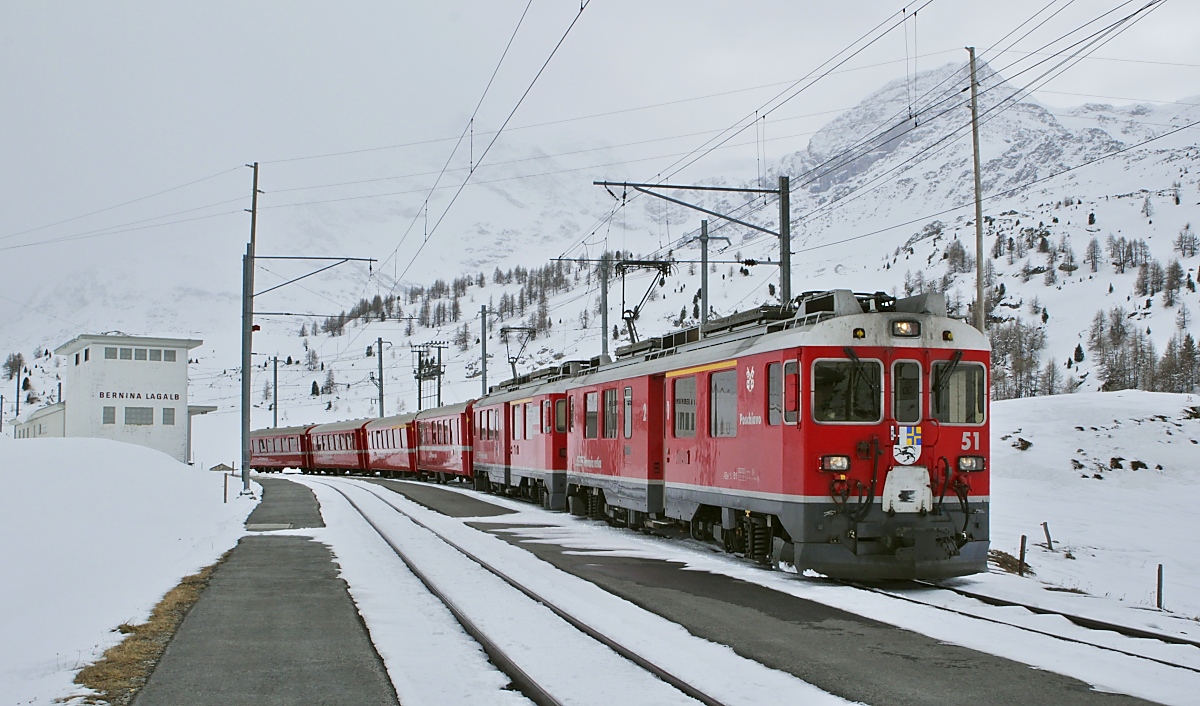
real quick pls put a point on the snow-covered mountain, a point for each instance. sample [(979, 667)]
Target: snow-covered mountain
[(881, 195)]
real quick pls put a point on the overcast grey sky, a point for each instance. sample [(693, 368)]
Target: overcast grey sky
[(108, 102)]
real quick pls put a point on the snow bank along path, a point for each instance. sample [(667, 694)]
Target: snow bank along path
[(575, 668), (94, 533)]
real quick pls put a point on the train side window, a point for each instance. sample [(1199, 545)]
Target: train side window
[(516, 422), (906, 391), (722, 403), (774, 393), (610, 413), (531, 419), (571, 413), (847, 390), (628, 412), (560, 416), (959, 394), (547, 424), (591, 414), (685, 407), (791, 392)]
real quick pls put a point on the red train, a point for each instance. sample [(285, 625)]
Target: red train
[(849, 437)]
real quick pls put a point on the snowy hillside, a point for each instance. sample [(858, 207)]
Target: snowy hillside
[(894, 214)]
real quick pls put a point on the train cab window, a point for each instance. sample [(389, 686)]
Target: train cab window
[(959, 394), (906, 391), (774, 393), (610, 413), (560, 416), (628, 413), (685, 407), (591, 414), (547, 423), (722, 403), (847, 390), (532, 423)]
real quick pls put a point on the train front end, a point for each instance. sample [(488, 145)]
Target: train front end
[(894, 451)]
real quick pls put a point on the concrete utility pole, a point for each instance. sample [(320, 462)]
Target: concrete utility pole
[(275, 390), (1, 412), (379, 354), (604, 261), (483, 342), (980, 320), (248, 331), (785, 240), (17, 413)]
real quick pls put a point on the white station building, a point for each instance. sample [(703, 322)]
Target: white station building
[(125, 388)]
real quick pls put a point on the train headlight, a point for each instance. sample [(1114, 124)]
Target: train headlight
[(837, 464), (906, 329), (969, 464)]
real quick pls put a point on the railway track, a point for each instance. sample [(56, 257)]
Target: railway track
[(521, 666), (1098, 626)]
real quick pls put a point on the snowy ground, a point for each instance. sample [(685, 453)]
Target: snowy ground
[(95, 532)]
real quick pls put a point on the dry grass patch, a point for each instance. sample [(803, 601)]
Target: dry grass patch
[(116, 677), (1007, 562)]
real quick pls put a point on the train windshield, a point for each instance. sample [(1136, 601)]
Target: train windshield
[(906, 391), (959, 392), (847, 390)]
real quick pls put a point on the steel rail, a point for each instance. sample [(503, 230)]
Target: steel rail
[(956, 611), (578, 624), (1081, 621), (520, 679)]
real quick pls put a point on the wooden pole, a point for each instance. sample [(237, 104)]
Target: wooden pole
[(1049, 542), (1160, 586), (1021, 561)]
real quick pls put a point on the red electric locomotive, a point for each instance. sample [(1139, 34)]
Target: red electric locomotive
[(272, 450), (830, 438)]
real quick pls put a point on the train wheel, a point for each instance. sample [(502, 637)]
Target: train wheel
[(545, 497)]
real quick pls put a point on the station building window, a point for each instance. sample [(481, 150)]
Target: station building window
[(126, 354), (110, 353), (139, 416), (169, 416), (168, 355), (108, 415), (139, 353), (155, 354)]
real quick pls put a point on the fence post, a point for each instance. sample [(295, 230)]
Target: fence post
[(1021, 561), (1049, 542), (226, 477), (1160, 586)]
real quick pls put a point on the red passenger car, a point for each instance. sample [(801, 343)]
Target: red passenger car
[(272, 450), (444, 441), (339, 448), (392, 445)]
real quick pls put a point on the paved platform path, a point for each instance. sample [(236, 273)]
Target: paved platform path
[(275, 626)]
